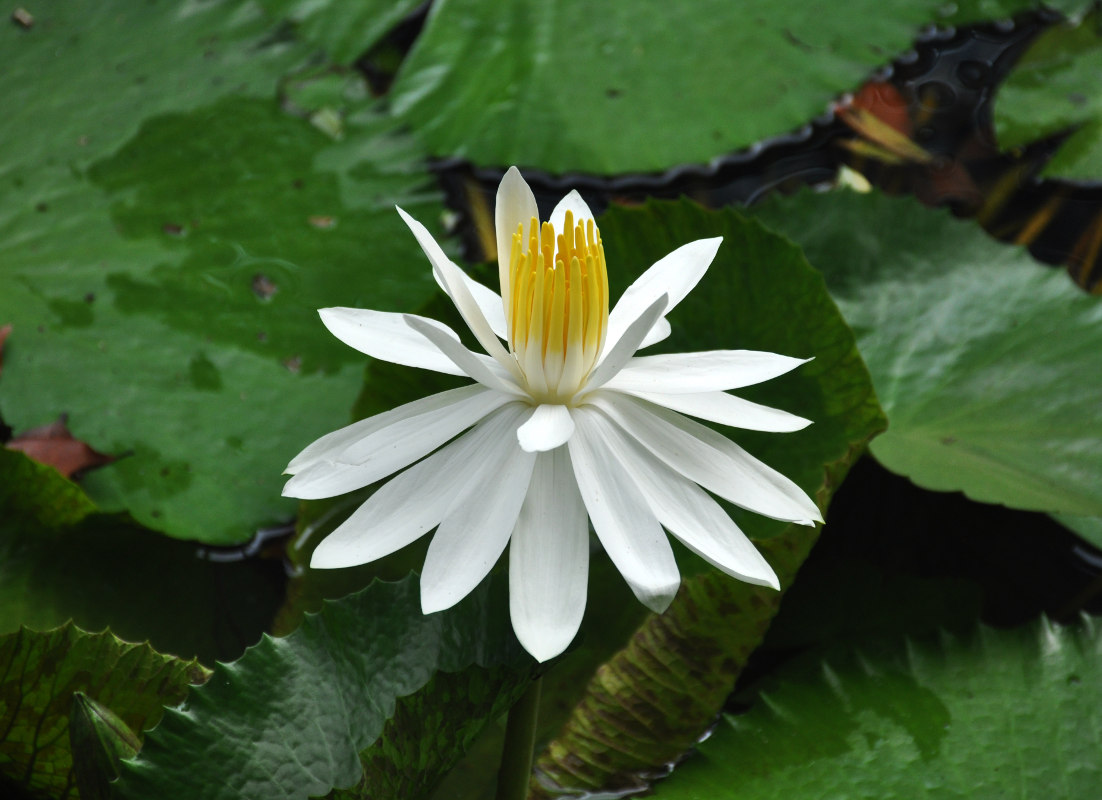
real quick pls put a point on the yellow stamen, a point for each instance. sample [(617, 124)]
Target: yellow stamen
[(558, 310)]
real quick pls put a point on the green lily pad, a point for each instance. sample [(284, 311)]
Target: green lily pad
[(999, 714), (970, 11), (36, 494), (428, 731), (985, 361), (1054, 87), (345, 30), (40, 672), (59, 561), (642, 86), (294, 716), (1090, 528), (167, 234), (98, 739)]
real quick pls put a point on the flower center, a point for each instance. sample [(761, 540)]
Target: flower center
[(557, 306)]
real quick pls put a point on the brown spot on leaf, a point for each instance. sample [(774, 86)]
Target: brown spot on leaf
[(263, 286), (55, 446), (323, 222)]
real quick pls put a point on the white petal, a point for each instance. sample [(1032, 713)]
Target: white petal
[(659, 332), (710, 459), (550, 426), (726, 409), (549, 559), (709, 371), (486, 298), (412, 503), (476, 526), (624, 523), (572, 202), (686, 510), (330, 445), (408, 437), (386, 336), (516, 205), (439, 425), (612, 361), (673, 276), (483, 369), (452, 279)]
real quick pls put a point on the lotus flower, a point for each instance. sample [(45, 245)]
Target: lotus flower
[(563, 426)]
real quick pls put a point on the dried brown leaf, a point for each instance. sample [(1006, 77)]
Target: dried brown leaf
[(55, 446)]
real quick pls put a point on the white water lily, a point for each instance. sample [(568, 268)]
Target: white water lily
[(564, 426)]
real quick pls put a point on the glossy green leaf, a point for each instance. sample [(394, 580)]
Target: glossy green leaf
[(429, 730), (999, 714), (291, 716), (659, 693), (345, 30), (1090, 528), (166, 236), (970, 11), (37, 494), (641, 86), (58, 561), (98, 740), (985, 361), (39, 674), (1054, 87)]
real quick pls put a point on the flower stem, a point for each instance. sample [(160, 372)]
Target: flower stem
[(520, 742)]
